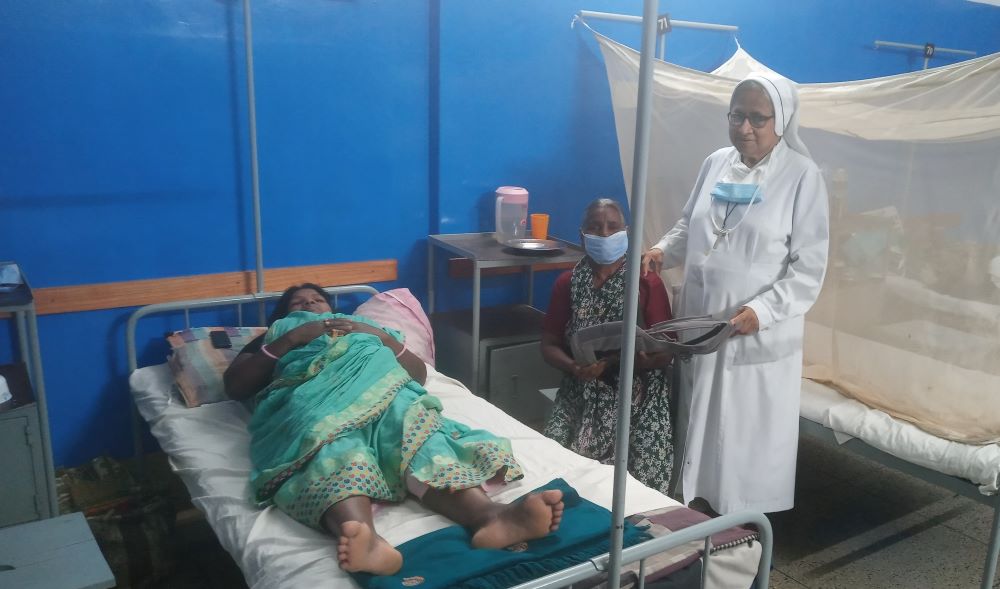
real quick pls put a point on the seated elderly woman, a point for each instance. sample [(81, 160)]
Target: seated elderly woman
[(585, 412), (342, 419)]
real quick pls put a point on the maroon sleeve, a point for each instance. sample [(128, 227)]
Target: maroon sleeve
[(559, 310), (656, 306)]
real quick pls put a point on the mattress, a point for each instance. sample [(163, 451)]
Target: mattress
[(208, 447), (849, 418)]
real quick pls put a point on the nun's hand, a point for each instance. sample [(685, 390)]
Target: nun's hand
[(745, 321), (652, 261)]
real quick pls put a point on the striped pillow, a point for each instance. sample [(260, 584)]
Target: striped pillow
[(198, 366)]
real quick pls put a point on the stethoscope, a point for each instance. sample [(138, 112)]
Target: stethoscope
[(722, 232)]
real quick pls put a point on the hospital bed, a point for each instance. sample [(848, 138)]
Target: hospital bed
[(971, 471), (208, 447)]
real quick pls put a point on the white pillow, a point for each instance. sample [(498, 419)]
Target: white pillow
[(400, 310)]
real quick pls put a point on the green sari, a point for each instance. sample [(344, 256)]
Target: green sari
[(342, 418)]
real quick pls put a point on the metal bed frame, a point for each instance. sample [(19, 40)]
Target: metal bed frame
[(958, 485), (580, 572)]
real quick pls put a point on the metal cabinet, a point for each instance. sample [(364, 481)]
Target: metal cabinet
[(516, 374), (510, 366), (24, 489)]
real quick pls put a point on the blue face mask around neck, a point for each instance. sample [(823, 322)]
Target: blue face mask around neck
[(606, 250), (740, 194)]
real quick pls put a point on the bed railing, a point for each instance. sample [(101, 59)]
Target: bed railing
[(640, 552)]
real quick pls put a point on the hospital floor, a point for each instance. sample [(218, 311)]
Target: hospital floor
[(856, 524)]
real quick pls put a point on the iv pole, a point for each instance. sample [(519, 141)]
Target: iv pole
[(640, 168), (254, 167)]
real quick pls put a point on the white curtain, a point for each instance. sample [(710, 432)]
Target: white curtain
[(909, 318)]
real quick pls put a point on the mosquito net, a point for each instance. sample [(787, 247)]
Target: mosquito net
[(909, 318)]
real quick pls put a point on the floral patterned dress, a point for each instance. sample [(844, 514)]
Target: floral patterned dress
[(584, 417)]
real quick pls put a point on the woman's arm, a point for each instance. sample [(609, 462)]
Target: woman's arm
[(407, 359), (553, 325), (555, 355), (252, 370), (655, 309)]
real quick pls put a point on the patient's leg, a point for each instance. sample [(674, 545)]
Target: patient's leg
[(497, 525), (360, 548)]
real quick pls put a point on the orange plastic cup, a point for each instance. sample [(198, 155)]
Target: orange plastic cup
[(540, 225)]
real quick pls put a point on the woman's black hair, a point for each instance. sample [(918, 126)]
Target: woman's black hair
[(281, 309)]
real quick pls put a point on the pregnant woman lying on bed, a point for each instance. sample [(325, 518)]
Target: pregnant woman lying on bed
[(342, 419)]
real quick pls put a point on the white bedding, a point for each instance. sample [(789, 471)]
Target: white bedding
[(209, 448), (849, 418)]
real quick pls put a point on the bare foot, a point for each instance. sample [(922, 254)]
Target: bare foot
[(534, 517), (361, 550)]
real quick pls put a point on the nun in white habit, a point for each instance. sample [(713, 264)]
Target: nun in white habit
[(753, 241)]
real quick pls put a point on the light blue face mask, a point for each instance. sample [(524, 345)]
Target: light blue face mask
[(740, 194), (606, 250)]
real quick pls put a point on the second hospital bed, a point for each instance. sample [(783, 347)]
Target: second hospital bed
[(969, 470), (208, 447)]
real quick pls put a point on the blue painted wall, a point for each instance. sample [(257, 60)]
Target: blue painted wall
[(124, 137), (125, 157)]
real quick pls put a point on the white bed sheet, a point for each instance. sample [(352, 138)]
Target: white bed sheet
[(849, 418), (209, 449)]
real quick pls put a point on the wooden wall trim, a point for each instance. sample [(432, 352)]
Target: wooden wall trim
[(133, 293)]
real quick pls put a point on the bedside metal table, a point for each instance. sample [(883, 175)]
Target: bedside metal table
[(57, 553), (483, 251), (29, 491)]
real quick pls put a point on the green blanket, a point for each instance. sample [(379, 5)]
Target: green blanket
[(446, 558)]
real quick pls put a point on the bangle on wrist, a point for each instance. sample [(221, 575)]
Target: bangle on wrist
[(268, 353), (401, 352)]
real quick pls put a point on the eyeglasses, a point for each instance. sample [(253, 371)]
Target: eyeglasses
[(756, 121)]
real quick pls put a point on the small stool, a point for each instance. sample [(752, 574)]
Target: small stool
[(57, 553)]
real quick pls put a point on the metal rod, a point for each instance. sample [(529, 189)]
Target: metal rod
[(915, 47), (22, 344), (254, 169), (661, 544), (993, 548), (430, 277), (706, 560), (476, 285), (43, 410), (531, 286), (677, 24), (638, 205)]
